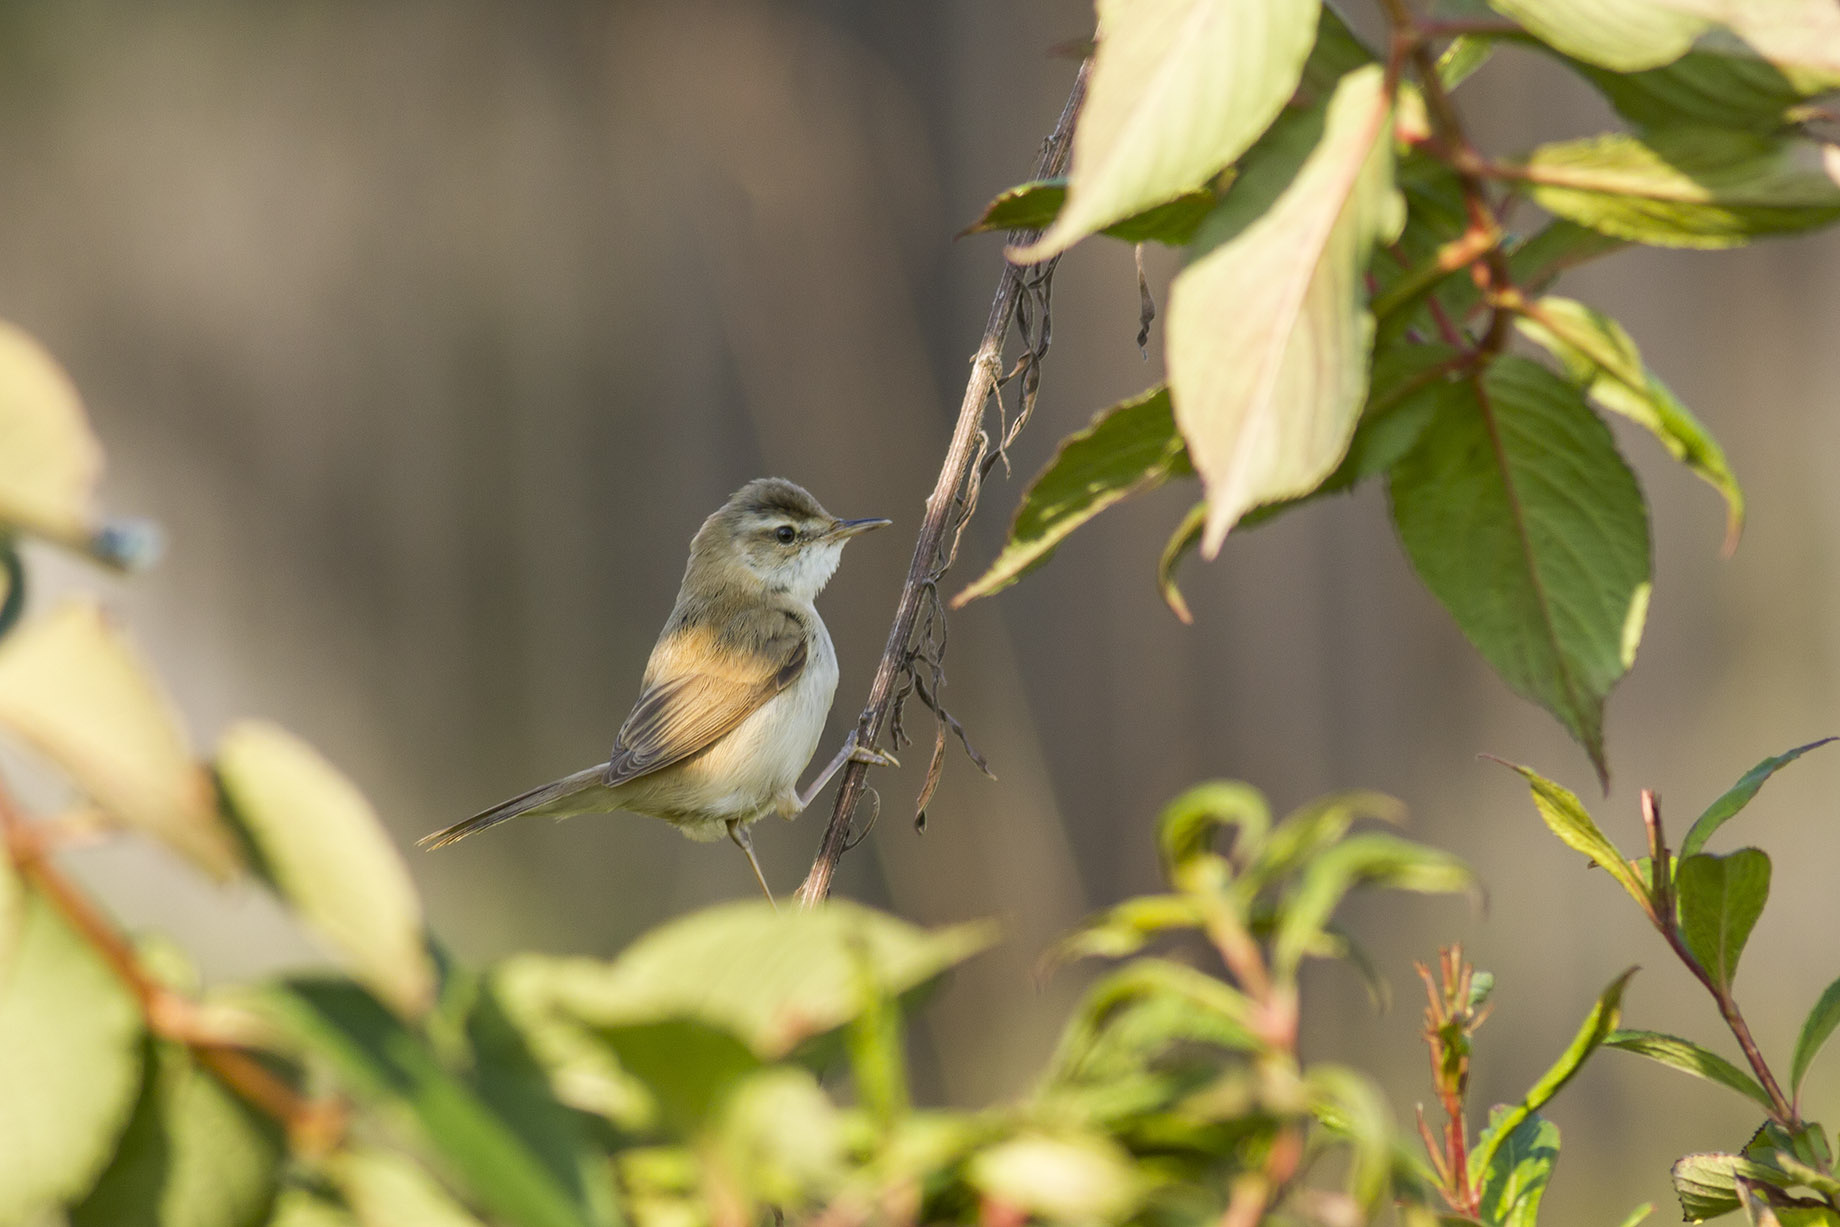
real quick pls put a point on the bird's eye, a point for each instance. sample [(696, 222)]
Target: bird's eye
[(785, 534)]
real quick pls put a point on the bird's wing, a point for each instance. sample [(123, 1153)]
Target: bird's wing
[(702, 683)]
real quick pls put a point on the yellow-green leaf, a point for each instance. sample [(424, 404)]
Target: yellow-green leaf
[(321, 845), (1269, 332), (73, 688), (1180, 88), (49, 459), (70, 1064)]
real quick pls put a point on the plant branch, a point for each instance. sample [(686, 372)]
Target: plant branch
[(313, 1126), (933, 547)]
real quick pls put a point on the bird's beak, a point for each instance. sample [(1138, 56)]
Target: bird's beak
[(849, 528)]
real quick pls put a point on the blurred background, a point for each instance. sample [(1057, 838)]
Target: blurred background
[(431, 331)]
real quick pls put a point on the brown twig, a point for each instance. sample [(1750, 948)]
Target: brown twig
[(313, 1126), (969, 446)]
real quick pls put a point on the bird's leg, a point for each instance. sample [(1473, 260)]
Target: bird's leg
[(743, 841), (853, 752)]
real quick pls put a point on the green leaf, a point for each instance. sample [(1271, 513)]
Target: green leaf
[(1186, 829), (1567, 817), (1638, 1214), (1688, 1057), (1349, 1104), (1409, 383), (782, 1141), (1623, 35), (581, 1070), (1125, 928), (387, 1188), (1720, 899), (1075, 1178), (1520, 516), (379, 1060), (1338, 51), (1179, 89), (1739, 795), (1304, 834), (1372, 858), (299, 1207), (775, 980), (1798, 38), (1597, 1026), (1129, 448), (49, 458), (1689, 186), (12, 913), (1604, 360), (1537, 261), (1519, 1169), (70, 1065), (1721, 82), (319, 841), (1207, 1010), (1034, 206), (74, 689), (1706, 1184), (689, 1067), (1819, 1024), (193, 1155), (1269, 333)]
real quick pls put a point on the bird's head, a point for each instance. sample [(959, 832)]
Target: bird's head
[(775, 532)]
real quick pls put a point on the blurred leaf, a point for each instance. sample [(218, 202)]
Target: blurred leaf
[(1519, 1170), (70, 1065), (1079, 1178), (1034, 205), (299, 1207), (773, 979), (1739, 795), (782, 1140), (1819, 1024), (1598, 1025), (1179, 89), (1571, 822), (13, 576), (1720, 899), (1465, 55), (1269, 333), (877, 1047), (1351, 1105), (387, 1188), (1638, 1214), (1303, 835), (1186, 829), (581, 1069), (49, 458), (1706, 1184), (689, 1067), (1338, 51), (1125, 928), (1688, 1057), (12, 912), (377, 1059), (1623, 35), (1689, 186), (1129, 448), (1372, 858), (1205, 1010), (319, 841), (1185, 539), (1522, 519), (73, 688), (1604, 360), (193, 1155)]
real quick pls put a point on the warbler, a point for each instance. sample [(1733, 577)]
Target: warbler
[(737, 689)]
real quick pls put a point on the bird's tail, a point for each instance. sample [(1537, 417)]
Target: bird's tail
[(561, 798)]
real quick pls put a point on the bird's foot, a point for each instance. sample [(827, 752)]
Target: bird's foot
[(860, 753)]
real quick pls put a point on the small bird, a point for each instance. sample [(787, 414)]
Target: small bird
[(737, 688)]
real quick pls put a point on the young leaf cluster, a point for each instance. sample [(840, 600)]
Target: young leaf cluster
[(1353, 279), (1705, 906)]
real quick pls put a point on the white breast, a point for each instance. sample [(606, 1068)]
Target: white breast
[(754, 769)]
